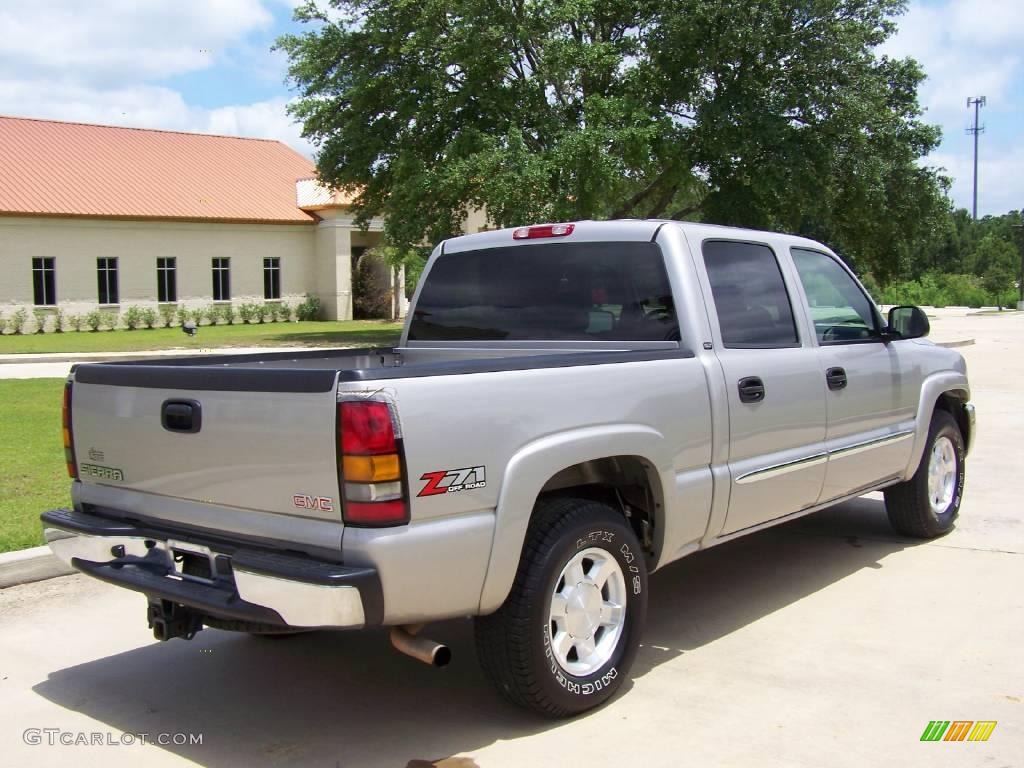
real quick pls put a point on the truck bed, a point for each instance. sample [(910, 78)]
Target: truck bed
[(320, 369)]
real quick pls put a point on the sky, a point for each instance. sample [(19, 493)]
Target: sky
[(206, 65)]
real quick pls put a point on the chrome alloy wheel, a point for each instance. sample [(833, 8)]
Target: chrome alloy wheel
[(942, 475), (588, 612)]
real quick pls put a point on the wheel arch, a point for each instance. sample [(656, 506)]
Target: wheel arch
[(946, 391), (578, 461)]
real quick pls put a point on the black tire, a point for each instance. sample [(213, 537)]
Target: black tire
[(514, 643), (908, 504)]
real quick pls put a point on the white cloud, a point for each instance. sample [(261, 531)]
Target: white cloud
[(971, 48), (108, 41), (107, 62), (999, 179)]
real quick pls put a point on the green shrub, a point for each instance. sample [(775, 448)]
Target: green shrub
[(182, 315), (133, 317), (111, 319), (939, 290), (309, 309), (93, 320), (261, 313), (75, 322), (284, 312), (210, 313), (16, 322), (247, 312), (149, 317), (58, 320), (227, 314), (40, 315), (167, 314)]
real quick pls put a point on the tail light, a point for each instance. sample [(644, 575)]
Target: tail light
[(371, 466), (543, 230), (69, 443)]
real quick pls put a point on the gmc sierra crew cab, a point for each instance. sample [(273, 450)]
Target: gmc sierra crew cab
[(570, 407)]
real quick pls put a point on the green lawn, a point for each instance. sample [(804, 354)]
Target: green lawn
[(32, 474), (320, 334)]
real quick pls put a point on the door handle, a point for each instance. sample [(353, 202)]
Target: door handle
[(751, 389), (836, 378), (181, 416)]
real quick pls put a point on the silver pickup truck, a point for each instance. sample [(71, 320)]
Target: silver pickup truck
[(570, 407)]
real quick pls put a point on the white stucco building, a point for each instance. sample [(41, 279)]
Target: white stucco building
[(103, 217)]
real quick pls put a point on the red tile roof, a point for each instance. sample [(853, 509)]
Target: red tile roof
[(54, 168)]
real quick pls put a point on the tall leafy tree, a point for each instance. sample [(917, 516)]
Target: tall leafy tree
[(997, 262), (774, 114)]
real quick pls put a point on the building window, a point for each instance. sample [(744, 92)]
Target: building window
[(167, 279), (44, 281), (222, 279), (106, 280), (272, 278)]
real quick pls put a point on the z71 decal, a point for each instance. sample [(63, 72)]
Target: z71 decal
[(453, 481)]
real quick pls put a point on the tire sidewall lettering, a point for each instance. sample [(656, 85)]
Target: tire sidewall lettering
[(631, 563)]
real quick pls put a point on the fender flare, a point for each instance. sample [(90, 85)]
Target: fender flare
[(536, 463), (932, 388)]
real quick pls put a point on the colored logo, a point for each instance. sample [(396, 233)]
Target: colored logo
[(453, 481), (958, 730), (316, 503)]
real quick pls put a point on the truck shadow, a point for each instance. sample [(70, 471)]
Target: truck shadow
[(347, 699)]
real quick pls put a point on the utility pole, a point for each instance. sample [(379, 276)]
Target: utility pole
[(977, 104)]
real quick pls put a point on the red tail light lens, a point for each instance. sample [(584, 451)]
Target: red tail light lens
[(69, 443), (366, 429), (543, 230), (374, 489), (376, 513)]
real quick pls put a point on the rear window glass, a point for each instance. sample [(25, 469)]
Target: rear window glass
[(750, 295), (556, 291)]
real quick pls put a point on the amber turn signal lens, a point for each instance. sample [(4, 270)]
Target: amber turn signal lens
[(371, 469)]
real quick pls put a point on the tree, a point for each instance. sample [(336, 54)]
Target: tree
[(996, 260), (776, 115)]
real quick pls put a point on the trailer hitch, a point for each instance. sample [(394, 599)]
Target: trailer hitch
[(169, 620)]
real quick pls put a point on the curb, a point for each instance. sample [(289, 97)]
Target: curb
[(103, 357), (27, 565)]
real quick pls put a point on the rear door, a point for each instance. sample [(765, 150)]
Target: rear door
[(872, 386), (774, 381)]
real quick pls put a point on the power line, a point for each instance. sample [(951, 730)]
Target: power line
[(976, 129)]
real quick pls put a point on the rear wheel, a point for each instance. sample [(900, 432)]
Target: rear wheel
[(567, 634), (927, 505)]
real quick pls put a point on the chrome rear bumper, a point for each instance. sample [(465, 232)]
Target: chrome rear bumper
[(216, 578)]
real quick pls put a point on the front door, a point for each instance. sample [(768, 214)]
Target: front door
[(872, 386), (775, 386)]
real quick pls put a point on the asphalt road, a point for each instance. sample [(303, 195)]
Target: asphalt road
[(827, 641)]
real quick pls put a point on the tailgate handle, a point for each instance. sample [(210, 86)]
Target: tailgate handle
[(181, 415)]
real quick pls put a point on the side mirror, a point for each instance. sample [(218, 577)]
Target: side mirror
[(908, 323)]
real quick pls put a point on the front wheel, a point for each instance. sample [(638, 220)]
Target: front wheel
[(927, 505), (567, 634)]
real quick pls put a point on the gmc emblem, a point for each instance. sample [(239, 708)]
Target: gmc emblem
[(319, 503)]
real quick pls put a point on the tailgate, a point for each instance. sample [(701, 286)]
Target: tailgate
[(257, 439)]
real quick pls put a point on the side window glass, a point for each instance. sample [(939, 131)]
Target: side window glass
[(840, 310), (750, 295)]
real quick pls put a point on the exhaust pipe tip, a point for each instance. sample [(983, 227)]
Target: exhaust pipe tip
[(405, 640), (442, 655)]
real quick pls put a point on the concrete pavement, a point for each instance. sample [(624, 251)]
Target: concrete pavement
[(57, 365), (827, 641)]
